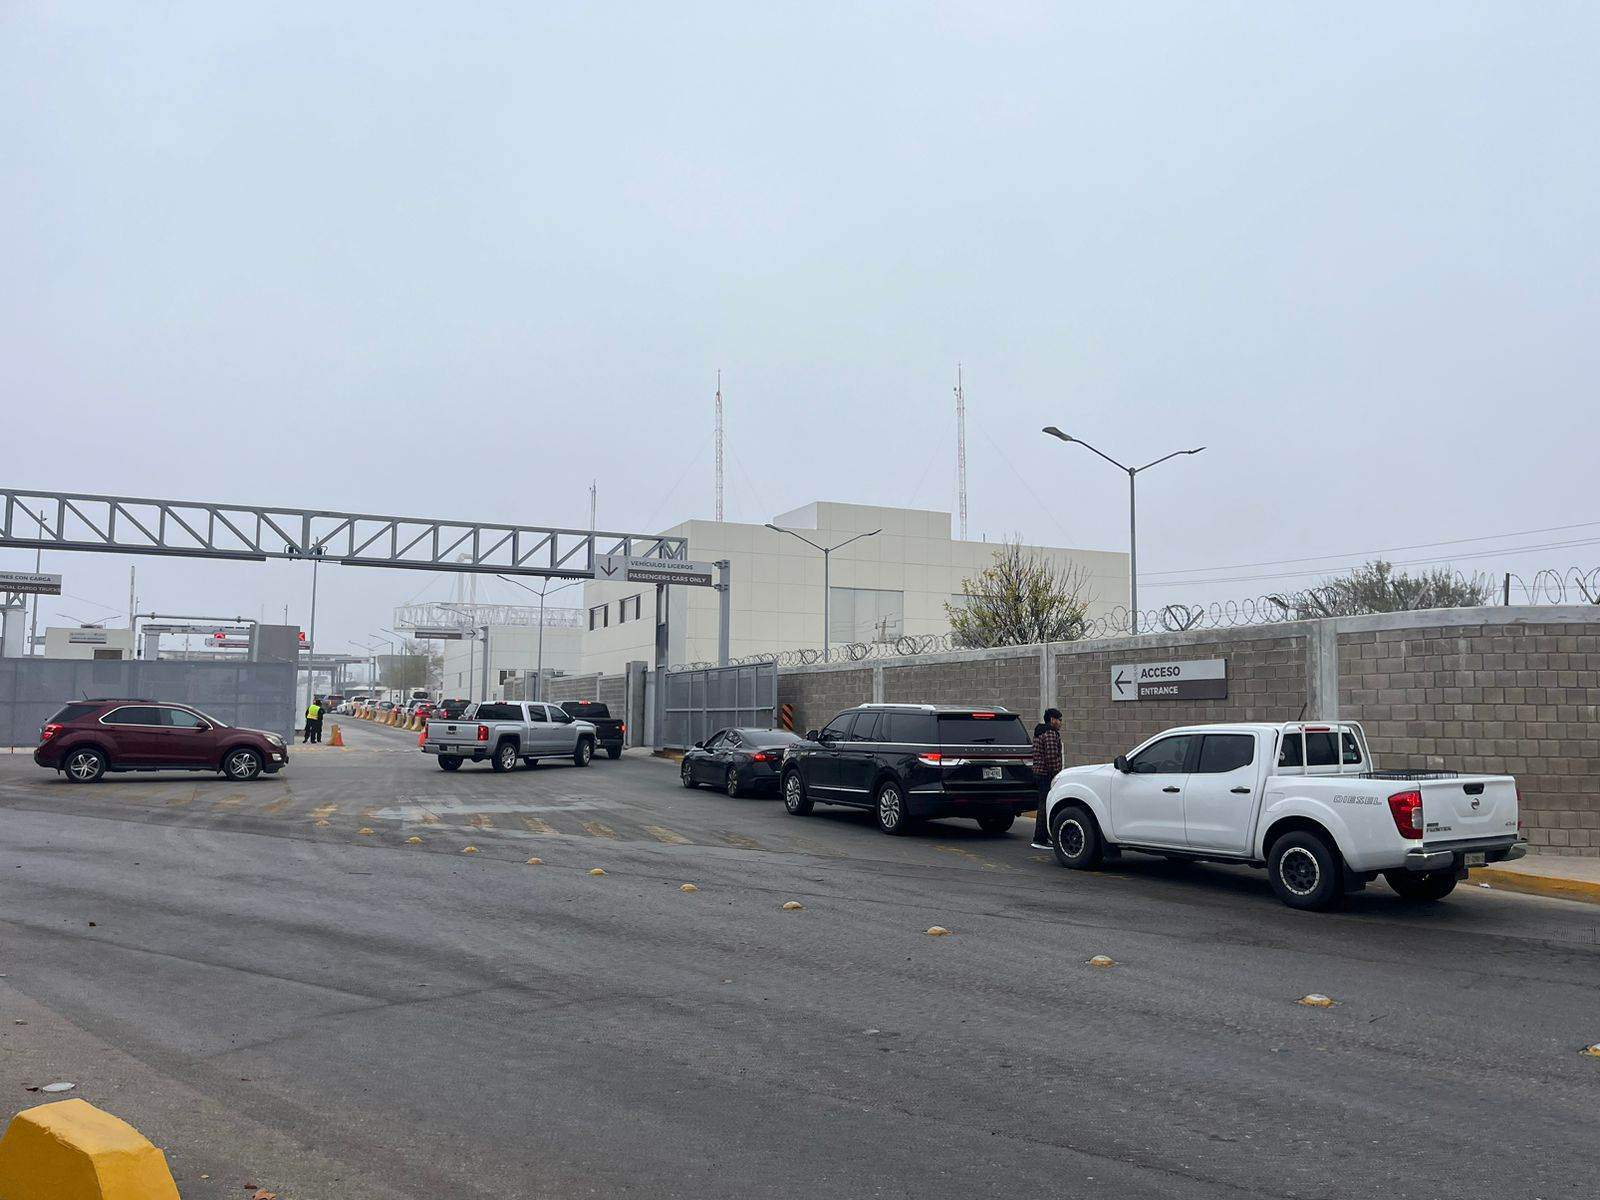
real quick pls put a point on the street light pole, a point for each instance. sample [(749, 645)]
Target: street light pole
[(1133, 525), (827, 580), (538, 684)]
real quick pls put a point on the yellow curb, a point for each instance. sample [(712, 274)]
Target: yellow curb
[(1584, 890), (71, 1150)]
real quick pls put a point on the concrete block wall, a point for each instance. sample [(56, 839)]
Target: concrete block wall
[(818, 693), (610, 690), (1267, 681), (1011, 681), (1514, 696)]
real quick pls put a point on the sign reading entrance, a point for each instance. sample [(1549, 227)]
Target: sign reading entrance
[(621, 568), (1196, 679), (30, 582)]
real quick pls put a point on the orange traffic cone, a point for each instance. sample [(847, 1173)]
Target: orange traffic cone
[(338, 738), (422, 738)]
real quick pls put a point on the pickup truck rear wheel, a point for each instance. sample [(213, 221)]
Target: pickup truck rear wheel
[(448, 762), (613, 752), (1305, 870), (1075, 837), (1425, 885), (505, 756)]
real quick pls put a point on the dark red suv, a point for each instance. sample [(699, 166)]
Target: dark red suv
[(87, 738)]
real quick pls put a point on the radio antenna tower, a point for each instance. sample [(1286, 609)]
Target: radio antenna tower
[(719, 445), (961, 452)]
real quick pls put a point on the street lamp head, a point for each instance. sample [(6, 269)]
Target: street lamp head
[(1056, 433), (774, 528), (1196, 450)]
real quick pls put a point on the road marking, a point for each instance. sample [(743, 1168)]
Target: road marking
[(320, 814), (969, 856), (740, 841), (808, 846), (599, 829), (666, 835), (535, 825), (277, 806), (480, 821), (230, 801), (180, 801), (424, 808)]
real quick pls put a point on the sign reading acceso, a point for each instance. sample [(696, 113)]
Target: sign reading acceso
[(621, 568), (30, 582), (1197, 679)]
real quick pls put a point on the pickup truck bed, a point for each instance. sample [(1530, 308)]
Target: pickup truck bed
[(610, 732)]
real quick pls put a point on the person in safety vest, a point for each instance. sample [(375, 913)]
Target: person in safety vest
[(313, 722)]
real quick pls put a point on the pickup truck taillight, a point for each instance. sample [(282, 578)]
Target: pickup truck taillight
[(483, 733), (48, 732), (1406, 809)]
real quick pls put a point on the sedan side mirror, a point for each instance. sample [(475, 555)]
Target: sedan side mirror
[(1121, 763), (699, 745)]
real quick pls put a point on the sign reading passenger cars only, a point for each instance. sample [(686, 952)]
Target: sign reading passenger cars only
[(1196, 679)]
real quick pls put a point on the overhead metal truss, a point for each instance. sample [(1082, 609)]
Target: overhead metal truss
[(198, 529)]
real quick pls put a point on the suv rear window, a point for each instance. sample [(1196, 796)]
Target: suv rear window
[(72, 712), (995, 729)]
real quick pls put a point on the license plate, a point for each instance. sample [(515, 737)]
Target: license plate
[(991, 772), (1476, 858)]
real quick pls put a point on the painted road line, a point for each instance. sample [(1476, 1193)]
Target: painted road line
[(968, 856), (662, 834), (277, 806), (599, 829), (535, 825), (321, 814), (481, 821), (739, 841), (229, 802)]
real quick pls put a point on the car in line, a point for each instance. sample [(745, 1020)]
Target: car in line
[(912, 762), (452, 708), (610, 732), (87, 738), (506, 732), (739, 761), (1303, 800)]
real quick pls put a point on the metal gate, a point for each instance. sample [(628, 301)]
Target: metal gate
[(694, 704)]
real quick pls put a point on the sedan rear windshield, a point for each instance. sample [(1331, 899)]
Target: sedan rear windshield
[(768, 737), (998, 729)]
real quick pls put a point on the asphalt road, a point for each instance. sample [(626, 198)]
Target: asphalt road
[(283, 1000)]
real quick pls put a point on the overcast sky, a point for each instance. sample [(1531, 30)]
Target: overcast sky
[(458, 262)]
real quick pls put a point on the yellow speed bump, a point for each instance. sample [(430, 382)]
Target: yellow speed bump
[(597, 870), (71, 1150), (413, 840), (688, 887), (792, 906), (365, 831), (1102, 960), (1315, 1000), (1592, 1051), (535, 862), (469, 850), (938, 931)]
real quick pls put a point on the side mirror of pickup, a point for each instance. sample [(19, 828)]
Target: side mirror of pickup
[(1121, 763)]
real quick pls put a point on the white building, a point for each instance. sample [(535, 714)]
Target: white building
[(512, 649), (62, 642), (883, 587)]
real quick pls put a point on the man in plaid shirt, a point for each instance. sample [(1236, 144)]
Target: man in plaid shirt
[(1046, 762)]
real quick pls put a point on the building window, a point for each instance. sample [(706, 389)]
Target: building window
[(628, 609), (865, 615), (599, 616)]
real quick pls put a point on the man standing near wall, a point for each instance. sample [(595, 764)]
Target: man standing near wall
[(1046, 763), (313, 722)]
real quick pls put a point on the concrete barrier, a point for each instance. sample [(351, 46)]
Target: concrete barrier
[(71, 1150)]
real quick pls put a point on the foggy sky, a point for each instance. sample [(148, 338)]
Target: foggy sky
[(460, 262)]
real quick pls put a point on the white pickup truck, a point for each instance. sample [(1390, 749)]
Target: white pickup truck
[(1303, 800)]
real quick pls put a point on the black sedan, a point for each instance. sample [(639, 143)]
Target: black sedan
[(737, 760)]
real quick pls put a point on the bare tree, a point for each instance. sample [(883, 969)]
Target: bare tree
[(1376, 587), (1021, 599)]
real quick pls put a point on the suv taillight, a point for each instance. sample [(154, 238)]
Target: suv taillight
[(1406, 809), (48, 732), (931, 760), (483, 733)]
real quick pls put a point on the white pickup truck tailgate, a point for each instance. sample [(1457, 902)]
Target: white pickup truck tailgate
[(1469, 807)]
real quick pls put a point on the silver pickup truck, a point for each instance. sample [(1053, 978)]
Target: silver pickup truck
[(504, 731)]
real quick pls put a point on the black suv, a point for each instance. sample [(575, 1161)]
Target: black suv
[(910, 761)]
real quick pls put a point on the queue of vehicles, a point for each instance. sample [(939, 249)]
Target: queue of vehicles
[(1302, 800)]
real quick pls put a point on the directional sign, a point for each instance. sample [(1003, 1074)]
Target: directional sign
[(88, 637), (438, 633), (1195, 679), (210, 631), (30, 582), (620, 568)]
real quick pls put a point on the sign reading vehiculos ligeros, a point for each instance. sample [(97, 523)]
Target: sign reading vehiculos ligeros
[(1196, 679)]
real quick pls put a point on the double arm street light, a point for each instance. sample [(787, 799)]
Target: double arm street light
[(1133, 528), (538, 675), (372, 653), (827, 591)]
